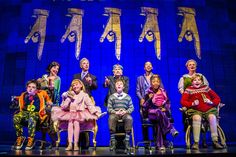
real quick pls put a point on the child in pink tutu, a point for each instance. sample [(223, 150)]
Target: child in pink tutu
[(76, 108)]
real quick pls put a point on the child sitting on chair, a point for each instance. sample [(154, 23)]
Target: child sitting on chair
[(158, 109), (201, 102), (76, 108), (32, 109), (120, 106)]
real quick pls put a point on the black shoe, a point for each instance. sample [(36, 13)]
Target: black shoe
[(127, 146), (146, 147), (113, 145), (204, 145)]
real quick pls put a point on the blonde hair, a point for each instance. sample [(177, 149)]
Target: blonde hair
[(77, 81), (190, 60)]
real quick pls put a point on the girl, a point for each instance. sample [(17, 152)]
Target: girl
[(158, 110), (76, 108), (201, 102)]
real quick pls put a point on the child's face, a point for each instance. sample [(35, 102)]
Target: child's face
[(197, 82), (54, 70), (119, 86), (117, 71), (76, 87), (155, 83), (31, 88)]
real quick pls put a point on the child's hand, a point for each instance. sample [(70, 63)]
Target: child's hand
[(70, 94), (123, 112), (150, 95), (142, 102), (195, 102), (208, 101), (88, 79), (163, 109), (49, 104), (118, 112)]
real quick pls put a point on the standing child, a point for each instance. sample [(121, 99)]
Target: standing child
[(158, 109), (76, 108), (201, 102), (32, 109), (120, 106)]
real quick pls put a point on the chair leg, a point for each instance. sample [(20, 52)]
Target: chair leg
[(187, 137), (221, 136), (95, 134), (133, 142)]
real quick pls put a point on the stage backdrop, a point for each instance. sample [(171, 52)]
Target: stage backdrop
[(216, 25)]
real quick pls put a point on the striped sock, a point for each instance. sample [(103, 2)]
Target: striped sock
[(127, 136), (112, 137)]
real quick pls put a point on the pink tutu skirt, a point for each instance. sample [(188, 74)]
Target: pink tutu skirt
[(58, 114)]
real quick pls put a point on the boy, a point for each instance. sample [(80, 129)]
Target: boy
[(120, 106), (32, 109)]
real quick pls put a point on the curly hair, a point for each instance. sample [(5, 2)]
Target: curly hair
[(155, 76)]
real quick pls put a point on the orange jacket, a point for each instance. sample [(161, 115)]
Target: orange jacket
[(43, 98)]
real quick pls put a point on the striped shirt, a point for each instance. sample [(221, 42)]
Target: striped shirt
[(120, 101)]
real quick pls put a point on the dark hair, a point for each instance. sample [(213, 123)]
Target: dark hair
[(155, 76), (34, 82), (120, 80), (52, 64)]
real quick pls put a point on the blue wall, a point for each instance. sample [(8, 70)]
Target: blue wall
[(217, 29)]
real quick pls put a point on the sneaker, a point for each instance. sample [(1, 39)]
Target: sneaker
[(216, 145), (19, 142), (127, 146), (30, 143), (168, 144), (195, 146), (174, 132), (204, 144)]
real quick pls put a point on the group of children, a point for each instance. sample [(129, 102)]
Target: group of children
[(77, 107)]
